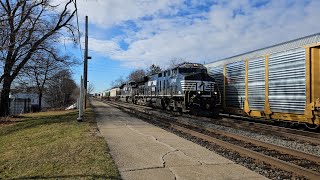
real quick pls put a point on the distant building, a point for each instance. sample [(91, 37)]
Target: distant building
[(25, 102), (19, 104)]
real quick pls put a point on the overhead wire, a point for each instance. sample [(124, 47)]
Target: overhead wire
[(75, 6)]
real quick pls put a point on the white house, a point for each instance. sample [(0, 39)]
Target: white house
[(25, 102)]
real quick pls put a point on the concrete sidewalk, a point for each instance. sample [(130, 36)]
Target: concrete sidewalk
[(143, 151)]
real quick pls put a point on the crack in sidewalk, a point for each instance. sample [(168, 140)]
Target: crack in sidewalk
[(140, 169), (162, 158), (167, 145), (175, 177)]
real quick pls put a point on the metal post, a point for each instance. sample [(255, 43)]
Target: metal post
[(80, 102), (85, 63)]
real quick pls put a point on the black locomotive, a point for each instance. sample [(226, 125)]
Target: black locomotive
[(184, 88)]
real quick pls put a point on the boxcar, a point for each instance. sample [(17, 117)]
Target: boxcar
[(280, 82), (114, 92)]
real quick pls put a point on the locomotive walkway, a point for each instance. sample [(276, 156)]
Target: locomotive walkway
[(143, 151)]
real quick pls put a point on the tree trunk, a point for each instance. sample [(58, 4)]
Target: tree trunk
[(40, 99), (4, 102)]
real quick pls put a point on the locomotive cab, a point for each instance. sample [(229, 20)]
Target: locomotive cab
[(126, 91), (201, 93)]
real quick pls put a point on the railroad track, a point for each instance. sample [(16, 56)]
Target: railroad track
[(296, 134), (286, 133), (299, 163)]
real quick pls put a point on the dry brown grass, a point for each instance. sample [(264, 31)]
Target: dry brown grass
[(53, 145)]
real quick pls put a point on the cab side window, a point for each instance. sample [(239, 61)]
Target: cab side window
[(174, 72)]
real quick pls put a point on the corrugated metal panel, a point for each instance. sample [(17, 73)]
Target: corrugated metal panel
[(287, 46), (217, 74), (235, 87), (287, 89), (256, 84)]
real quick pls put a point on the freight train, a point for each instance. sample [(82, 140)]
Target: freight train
[(186, 87), (281, 82)]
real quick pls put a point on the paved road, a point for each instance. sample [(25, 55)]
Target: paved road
[(143, 151)]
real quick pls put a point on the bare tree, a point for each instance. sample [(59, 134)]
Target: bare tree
[(25, 26), (118, 82), (153, 69), (90, 88), (41, 68), (136, 75), (61, 89), (175, 61)]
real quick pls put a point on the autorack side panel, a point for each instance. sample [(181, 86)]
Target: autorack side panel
[(235, 86), (256, 83), (287, 81)]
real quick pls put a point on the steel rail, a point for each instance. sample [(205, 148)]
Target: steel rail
[(294, 134), (289, 133), (255, 155), (253, 122), (282, 149)]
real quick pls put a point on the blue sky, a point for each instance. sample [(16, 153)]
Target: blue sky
[(129, 34)]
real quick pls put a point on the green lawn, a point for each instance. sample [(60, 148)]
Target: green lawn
[(53, 145)]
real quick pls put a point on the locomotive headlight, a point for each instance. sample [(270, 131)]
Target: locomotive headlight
[(215, 93), (199, 92)]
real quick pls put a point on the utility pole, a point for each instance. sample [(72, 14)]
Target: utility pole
[(85, 66)]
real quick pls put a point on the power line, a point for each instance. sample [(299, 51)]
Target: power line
[(75, 5)]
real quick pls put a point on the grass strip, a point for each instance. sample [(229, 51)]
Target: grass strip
[(53, 145)]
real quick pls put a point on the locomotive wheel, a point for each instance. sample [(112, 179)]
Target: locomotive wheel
[(169, 108), (163, 104), (194, 110)]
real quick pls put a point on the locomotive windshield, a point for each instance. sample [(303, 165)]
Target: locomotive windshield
[(192, 70)]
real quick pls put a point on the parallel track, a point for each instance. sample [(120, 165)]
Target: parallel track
[(294, 134), (239, 123)]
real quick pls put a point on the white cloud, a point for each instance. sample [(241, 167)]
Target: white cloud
[(106, 13), (104, 47), (229, 28), (222, 33)]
